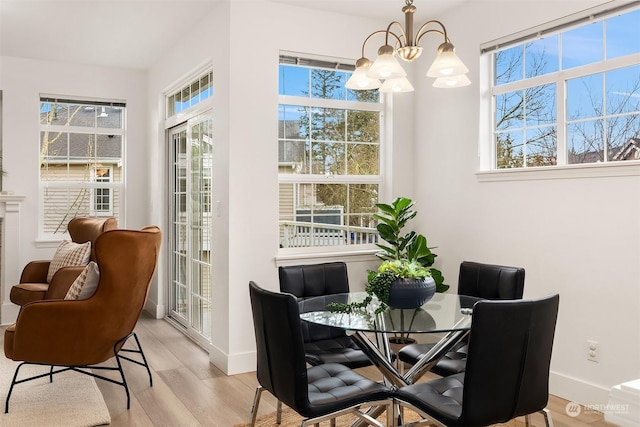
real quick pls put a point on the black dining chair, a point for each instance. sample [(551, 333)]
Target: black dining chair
[(322, 344), (507, 369), (487, 281), (317, 393)]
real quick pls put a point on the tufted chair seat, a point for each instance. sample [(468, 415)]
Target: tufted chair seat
[(317, 393)]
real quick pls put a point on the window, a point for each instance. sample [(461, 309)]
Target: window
[(81, 160), (102, 203), (191, 94), (568, 95), (328, 156)]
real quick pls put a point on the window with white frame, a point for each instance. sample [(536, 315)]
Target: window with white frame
[(569, 94), (329, 155), (81, 160), (191, 94), (101, 201)]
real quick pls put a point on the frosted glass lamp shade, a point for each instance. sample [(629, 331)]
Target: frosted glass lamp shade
[(451, 82), (400, 84), (386, 66), (360, 81), (447, 63)]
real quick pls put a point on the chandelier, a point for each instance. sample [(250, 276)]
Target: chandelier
[(447, 68)]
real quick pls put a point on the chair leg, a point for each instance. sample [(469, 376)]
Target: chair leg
[(254, 406), (547, 417), (13, 383), (139, 351), (279, 412)]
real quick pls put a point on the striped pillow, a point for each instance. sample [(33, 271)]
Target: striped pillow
[(69, 254), (85, 284)]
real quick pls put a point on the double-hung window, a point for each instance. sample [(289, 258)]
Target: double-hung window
[(329, 155), (81, 160), (568, 94)]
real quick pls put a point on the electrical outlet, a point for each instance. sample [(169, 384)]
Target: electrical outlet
[(593, 351)]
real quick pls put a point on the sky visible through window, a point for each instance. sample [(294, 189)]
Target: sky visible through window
[(602, 107)]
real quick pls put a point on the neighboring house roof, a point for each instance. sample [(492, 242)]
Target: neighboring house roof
[(629, 151), (86, 146)]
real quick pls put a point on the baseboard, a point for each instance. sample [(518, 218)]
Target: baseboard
[(9, 313), (577, 390), (237, 363), (155, 310)]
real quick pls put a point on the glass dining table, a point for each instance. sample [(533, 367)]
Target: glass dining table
[(448, 315)]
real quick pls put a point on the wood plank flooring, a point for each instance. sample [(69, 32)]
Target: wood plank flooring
[(188, 391)]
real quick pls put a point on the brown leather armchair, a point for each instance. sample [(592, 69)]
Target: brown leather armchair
[(33, 284), (78, 334)]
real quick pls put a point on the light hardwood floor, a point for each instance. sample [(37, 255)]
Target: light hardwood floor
[(189, 391)]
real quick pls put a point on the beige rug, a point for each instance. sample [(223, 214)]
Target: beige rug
[(291, 419), (72, 400)]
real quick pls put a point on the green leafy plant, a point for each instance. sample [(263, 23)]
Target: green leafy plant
[(411, 246), (405, 256)]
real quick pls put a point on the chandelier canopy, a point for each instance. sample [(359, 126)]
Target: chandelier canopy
[(447, 68)]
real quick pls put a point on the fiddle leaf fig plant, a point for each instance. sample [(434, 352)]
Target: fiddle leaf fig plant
[(404, 256), (400, 245)]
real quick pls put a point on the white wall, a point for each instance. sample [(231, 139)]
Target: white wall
[(22, 81), (577, 237), (244, 49)]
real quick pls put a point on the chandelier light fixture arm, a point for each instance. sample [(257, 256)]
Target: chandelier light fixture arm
[(447, 68), (422, 31)]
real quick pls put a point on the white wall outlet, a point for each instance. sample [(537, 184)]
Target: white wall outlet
[(593, 351)]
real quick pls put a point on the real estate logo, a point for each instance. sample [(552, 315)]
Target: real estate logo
[(573, 409)]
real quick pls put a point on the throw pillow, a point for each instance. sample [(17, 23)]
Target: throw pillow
[(85, 284), (69, 254)]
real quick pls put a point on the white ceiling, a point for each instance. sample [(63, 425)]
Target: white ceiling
[(134, 33)]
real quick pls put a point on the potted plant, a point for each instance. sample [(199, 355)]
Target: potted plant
[(405, 278)]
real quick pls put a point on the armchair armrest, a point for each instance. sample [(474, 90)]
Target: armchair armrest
[(35, 272), (60, 332), (62, 281)]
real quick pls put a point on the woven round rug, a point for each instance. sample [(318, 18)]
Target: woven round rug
[(72, 400)]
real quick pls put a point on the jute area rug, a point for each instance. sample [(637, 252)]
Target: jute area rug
[(291, 419), (72, 400)]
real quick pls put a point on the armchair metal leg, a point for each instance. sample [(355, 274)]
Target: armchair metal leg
[(87, 370), (279, 412), (13, 383)]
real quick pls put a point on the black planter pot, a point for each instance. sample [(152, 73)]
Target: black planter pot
[(411, 293)]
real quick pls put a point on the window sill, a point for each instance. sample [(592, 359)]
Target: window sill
[(286, 257), (595, 170)]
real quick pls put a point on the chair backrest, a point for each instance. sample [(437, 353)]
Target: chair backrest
[(306, 281), (281, 366), (87, 229), (507, 370), (127, 261), (489, 281)]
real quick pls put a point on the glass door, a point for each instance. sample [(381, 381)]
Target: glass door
[(190, 218)]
